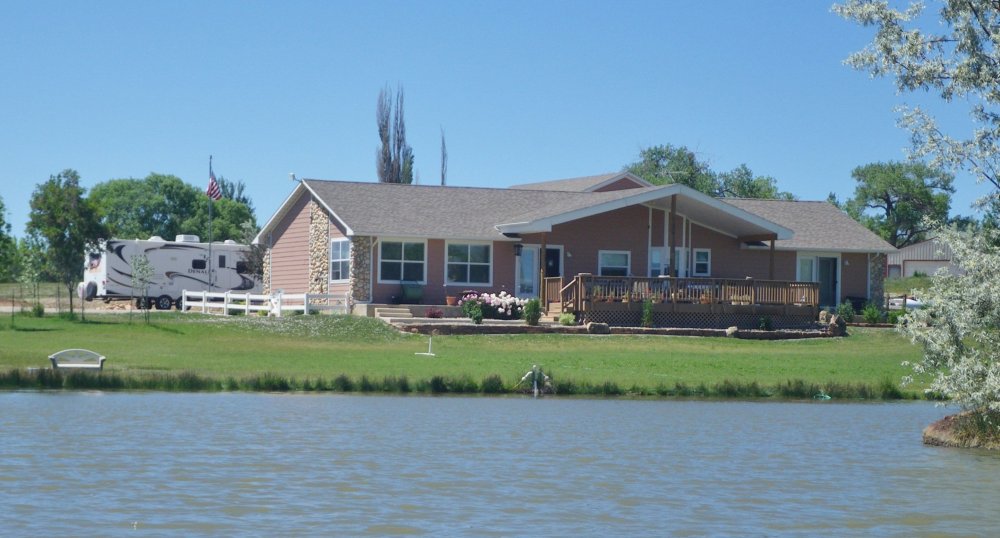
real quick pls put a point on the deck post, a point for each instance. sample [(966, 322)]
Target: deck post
[(673, 234), (770, 267)]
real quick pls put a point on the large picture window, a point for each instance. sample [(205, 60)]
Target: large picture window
[(614, 262), (402, 261), (340, 260), (702, 262), (468, 263)]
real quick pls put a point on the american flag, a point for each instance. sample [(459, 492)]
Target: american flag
[(213, 190)]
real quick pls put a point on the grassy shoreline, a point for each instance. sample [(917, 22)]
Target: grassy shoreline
[(185, 352)]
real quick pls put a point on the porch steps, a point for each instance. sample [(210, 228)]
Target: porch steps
[(389, 314)]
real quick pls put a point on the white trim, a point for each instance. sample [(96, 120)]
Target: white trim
[(694, 261), (382, 241), (628, 262), (816, 254), (347, 229), (488, 244), (350, 259)]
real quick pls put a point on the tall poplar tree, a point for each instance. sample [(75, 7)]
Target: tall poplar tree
[(394, 157)]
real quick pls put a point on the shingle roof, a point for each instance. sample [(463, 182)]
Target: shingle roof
[(817, 226), (573, 184)]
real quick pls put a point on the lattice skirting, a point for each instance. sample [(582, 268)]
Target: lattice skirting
[(698, 320)]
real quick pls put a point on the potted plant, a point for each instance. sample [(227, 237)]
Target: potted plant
[(451, 300)]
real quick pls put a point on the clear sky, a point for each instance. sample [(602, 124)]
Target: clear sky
[(524, 91)]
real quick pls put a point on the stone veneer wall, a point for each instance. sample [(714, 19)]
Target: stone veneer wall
[(876, 275), (266, 281), (319, 249), (361, 269)]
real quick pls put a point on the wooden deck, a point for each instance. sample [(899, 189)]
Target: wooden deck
[(712, 300)]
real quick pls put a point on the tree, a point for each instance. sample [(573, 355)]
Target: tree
[(142, 274), (67, 224), (139, 208), (8, 248), (444, 160), (394, 158), (958, 328), (236, 191), (228, 217), (741, 183), (254, 257), (902, 195), (663, 165), (961, 64)]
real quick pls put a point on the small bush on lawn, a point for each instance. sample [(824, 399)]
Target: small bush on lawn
[(532, 311), (846, 311), (647, 313), (567, 318), (872, 313)]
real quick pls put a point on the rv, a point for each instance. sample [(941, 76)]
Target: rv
[(182, 264)]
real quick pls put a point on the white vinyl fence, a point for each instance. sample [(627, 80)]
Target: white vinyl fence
[(277, 304)]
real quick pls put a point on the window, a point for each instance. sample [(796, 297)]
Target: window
[(613, 262), (340, 260), (222, 262), (702, 262), (198, 264), (655, 266), (402, 261), (807, 270), (468, 263)]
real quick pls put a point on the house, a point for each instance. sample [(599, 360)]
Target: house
[(925, 257), (365, 240)]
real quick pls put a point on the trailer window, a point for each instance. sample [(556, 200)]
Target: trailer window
[(222, 262), (198, 264)]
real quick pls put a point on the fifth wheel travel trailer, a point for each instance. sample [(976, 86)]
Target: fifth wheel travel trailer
[(182, 264)]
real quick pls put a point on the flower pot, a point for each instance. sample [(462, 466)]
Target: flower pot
[(451, 300)]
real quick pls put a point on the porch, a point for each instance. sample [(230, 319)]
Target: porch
[(684, 302)]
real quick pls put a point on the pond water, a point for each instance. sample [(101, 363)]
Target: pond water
[(261, 464)]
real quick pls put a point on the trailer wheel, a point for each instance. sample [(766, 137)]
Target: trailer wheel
[(164, 302), (178, 302), (90, 291)]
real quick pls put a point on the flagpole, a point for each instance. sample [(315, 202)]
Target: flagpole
[(210, 175)]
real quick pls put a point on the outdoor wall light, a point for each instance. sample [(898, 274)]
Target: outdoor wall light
[(518, 247)]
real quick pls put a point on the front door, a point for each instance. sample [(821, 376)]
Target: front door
[(827, 277), (529, 270)]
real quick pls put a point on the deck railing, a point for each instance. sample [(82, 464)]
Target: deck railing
[(586, 288)]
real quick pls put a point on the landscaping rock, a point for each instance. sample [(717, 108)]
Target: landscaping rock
[(598, 328), (824, 317), (837, 326), (731, 332)]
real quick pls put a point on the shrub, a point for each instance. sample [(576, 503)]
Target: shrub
[(492, 384), (474, 311), (846, 311), (872, 313), (532, 311), (567, 318), (647, 313), (493, 305), (894, 316), (434, 313), (37, 310)]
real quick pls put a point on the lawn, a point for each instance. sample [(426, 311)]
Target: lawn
[(905, 286), (324, 347)]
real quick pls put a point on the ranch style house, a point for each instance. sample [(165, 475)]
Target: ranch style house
[(592, 245)]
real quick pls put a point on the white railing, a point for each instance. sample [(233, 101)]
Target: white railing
[(277, 304)]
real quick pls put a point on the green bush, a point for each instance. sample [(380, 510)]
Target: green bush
[(647, 313), (872, 313), (567, 318), (475, 311), (846, 311), (532, 311), (37, 310), (894, 316)]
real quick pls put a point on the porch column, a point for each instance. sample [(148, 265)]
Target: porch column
[(672, 224), (541, 271), (770, 266)]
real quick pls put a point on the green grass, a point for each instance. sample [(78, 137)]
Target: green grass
[(314, 352), (905, 286)]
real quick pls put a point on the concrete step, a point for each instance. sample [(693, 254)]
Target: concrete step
[(393, 313)]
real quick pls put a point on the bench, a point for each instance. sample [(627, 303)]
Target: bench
[(78, 359)]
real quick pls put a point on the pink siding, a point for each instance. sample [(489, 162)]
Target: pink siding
[(854, 275), (435, 289), (657, 238), (621, 184), (290, 250), (731, 261)]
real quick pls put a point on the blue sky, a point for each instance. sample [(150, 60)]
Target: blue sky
[(523, 90)]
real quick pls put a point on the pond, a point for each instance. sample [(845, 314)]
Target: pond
[(79, 463)]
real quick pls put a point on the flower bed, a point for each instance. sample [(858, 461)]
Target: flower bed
[(493, 305)]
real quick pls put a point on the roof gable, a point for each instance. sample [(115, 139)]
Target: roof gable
[(614, 180)]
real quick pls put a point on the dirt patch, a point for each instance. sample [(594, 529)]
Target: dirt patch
[(946, 432)]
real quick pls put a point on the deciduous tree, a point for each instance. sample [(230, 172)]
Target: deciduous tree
[(960, 62), (893, 199), (67, 224), (394, 158), (8, 248), (663, 165)]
